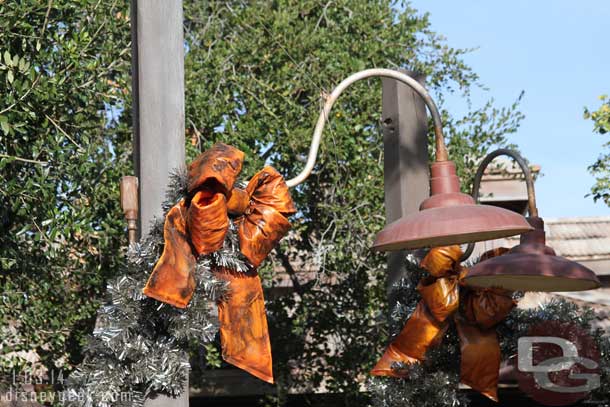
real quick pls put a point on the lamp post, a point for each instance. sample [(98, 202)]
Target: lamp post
[(447, 216), (530, 266)]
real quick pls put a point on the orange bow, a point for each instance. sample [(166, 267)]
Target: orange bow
[(199, 225), (475, 318)]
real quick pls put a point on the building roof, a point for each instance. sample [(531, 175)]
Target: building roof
[(503, 181)]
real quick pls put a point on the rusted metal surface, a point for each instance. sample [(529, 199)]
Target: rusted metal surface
[(582, 239), (503, 184), (532, 266), (449, 217)]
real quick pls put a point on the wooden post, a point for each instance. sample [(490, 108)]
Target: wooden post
[(158, 112), (406, 184), (158, 93)]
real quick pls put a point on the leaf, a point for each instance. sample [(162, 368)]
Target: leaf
[(46, 222), (9, 76), (5, 127), (7, 263), (7, 59)]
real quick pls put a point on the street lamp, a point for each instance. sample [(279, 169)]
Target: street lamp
[(530, 266), (448, 216)]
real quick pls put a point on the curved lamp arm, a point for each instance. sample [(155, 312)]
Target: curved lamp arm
[(529, 182), (441, 149), (529, 179)]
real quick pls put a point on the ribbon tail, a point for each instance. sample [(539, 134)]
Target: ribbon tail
[(420, 333), (244, 334), (480, 365), (172, 280)]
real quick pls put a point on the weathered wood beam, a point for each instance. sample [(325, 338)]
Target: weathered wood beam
[(405, 129), (158, 115)]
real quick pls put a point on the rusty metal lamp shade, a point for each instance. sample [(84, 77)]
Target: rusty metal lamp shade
[(532, 265), (449, 217)]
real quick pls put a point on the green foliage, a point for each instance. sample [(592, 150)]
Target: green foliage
[(64, 77), (256, 75), (601, 168)]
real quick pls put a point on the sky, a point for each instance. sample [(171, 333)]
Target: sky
[(557, 52)]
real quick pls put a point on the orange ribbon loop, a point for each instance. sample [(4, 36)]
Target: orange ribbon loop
[(198, 226), (475, 315)]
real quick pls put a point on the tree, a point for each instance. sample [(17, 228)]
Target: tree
[(64, 143), (256, 73), (601, 168)]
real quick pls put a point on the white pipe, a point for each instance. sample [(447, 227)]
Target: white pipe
[(330, 101)]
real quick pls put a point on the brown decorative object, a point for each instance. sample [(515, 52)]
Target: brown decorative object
[(208, 221), (216, 168), (129, 204), (530, 266), (198, 226), (449, 217), (244, 334), (475, 316), (172, 280), (264, 222)]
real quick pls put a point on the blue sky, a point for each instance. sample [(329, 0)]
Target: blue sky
[(557, 52)]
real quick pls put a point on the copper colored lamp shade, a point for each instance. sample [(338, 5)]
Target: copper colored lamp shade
[(448, 216), (532, 265)]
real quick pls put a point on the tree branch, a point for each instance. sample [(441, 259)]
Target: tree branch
[(291, 273)]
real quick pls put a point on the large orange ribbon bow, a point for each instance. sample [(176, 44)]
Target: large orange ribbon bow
[(199, 224), (475, 314)]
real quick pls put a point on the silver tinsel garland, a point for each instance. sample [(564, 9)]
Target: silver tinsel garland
[(434, 383), (139, 345)]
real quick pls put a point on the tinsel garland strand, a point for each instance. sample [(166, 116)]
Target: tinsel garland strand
[(434, 383), (139, 344)]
